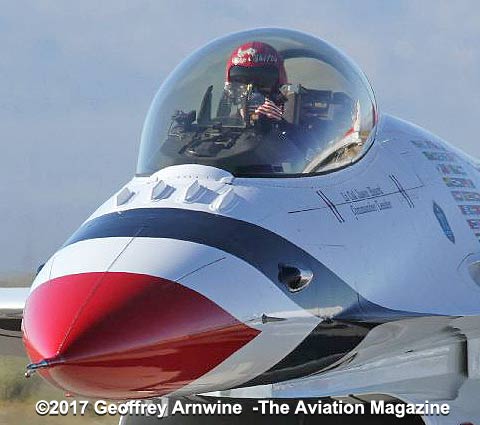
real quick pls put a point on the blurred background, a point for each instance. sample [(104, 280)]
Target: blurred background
[(77, 78), (18, 397)]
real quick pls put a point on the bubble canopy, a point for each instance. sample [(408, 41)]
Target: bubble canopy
[(261, 103)]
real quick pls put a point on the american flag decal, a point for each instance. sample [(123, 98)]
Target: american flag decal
[(270, 110)]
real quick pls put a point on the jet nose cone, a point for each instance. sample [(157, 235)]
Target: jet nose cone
[(124, 335)]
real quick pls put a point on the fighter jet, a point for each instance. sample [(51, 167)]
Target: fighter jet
[(281, 238)]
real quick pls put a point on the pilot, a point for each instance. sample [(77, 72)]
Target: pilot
[(259, 69)]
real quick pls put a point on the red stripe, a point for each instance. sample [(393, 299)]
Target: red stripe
[(119, 334), (270, 109)]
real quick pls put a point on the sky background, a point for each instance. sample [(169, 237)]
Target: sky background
[(77, 78)]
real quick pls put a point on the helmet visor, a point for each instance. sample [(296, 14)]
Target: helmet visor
[(265, 77)]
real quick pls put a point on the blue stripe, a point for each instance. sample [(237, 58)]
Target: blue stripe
[(256, 245), (264, 250)]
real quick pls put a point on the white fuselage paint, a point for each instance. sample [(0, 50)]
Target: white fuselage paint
[(217, 275), (385, 242), (372, 223)]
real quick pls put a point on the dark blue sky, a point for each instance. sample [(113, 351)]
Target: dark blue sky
[(76, 80)]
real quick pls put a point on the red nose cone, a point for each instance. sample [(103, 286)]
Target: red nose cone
[(125, 335)]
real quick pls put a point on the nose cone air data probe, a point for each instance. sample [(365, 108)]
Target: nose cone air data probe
[(108, 335), (281, 237)]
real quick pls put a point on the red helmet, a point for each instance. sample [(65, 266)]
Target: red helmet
[(256, 62)]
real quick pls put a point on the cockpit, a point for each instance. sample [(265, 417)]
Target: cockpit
[(261, 103)]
